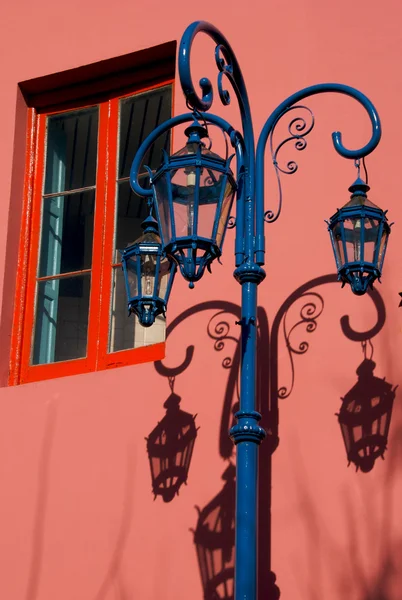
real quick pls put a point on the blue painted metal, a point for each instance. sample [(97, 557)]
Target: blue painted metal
[(249, 245), (360, 228), (185, 185), (276, 115), (147, 304)]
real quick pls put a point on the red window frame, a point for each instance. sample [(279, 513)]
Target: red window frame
[(98, 357)]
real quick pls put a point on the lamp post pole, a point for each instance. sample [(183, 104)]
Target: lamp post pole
[(182, 249)]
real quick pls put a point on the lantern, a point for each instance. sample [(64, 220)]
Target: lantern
[(365, 417), (170, 447), (214, 538), (194, 190), (359, 235), (148, 274)]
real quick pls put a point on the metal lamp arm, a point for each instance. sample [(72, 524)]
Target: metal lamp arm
[(336, 138), (228, 68)]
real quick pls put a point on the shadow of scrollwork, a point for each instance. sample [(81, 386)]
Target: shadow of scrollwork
[(269, 392)]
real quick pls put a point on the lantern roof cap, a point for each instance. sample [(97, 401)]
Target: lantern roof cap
[(359, 186), (150, 224), (196, 132), (172, 402), (366, 367)]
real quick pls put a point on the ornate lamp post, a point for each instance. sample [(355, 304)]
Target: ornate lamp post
[(193, 192)]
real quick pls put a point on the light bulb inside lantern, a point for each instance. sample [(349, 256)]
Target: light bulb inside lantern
[(357, 243)]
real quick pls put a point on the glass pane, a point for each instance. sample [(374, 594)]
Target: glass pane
[(132, 276), (210, 192), (67, 232), (131, 211), (352, 229), (163, 209), (383, 247), (125, 331), (139, 115), (371, 227), (61, 322), (71, 150), (227, 205), (163, 278), (338, 245), (183, 187)]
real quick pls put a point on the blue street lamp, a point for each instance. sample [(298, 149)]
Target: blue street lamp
[(148, 274), (193, 192)]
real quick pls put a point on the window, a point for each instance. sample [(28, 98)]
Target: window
[(80, 211)]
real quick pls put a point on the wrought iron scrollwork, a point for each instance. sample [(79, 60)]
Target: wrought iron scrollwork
[(309, 314), (298, 129)]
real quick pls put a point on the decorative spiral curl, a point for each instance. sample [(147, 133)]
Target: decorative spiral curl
[(309, 313), (298, 128)]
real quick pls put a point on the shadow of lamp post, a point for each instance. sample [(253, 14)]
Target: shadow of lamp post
[(192, 193), (365, 417), (170, 447)]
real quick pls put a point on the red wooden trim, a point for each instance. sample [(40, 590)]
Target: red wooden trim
[(134, 356), (33, 250), (21, 371), (96, 298), (23, 253), (55, 370), (30, 372), (109, 221)]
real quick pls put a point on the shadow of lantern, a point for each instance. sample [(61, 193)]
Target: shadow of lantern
[(170, 447), (214, 539), (365, 417)]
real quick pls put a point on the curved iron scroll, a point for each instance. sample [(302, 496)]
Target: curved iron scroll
[(298, 129)]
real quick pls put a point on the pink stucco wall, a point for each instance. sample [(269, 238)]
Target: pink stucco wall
[(77, 518)]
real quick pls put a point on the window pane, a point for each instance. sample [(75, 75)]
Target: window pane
[(139, 115), (71, 150), (61, 322), (67, 232), (126, 331), (131, 211)]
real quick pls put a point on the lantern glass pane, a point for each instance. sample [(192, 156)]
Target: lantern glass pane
[(148, 268), (183, 194), (163, 278), (162, 199), (209, 195), (383, 247), (132, 278), (338, 244), (352, 228), (226, 208), (371, 227)]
